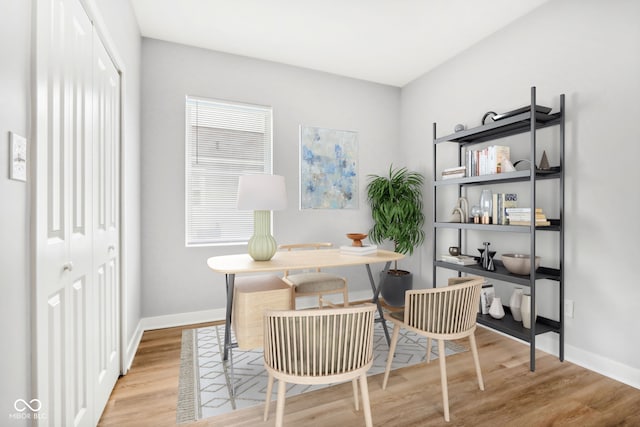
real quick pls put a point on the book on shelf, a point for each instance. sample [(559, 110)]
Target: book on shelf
[(486, 298), (541, 223), (454, 172), (522, 210), (359, 250), (526, 217), (459, 259), (501, 156), (452, 176)]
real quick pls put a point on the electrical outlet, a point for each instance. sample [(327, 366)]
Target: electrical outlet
[(568, 308)]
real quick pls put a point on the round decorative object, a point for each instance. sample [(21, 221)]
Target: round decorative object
[(496, 310), (454, 251), (486, 203), (476, 213), (357, 238), (514, 304), (519, 263), (459, 127)]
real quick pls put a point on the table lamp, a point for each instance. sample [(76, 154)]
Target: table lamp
[(262, 194)]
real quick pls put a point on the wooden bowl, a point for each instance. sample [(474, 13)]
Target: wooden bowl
[(357, 238), (519, 263)]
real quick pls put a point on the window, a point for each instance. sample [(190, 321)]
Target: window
[(223, 141)]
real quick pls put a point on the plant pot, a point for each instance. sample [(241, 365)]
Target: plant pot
[(393, 285)]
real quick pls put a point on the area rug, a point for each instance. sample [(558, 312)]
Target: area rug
[(205, 384)]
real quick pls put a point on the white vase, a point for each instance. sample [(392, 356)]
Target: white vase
[(525, 310), (496, 310), (514, 304)]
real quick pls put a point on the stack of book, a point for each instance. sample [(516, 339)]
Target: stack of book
[(459, 259), (359, 250), (522, 216), (455, 172)]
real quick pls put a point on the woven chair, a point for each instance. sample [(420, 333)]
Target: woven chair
[(446, 313), (319, 347), (315, 283)]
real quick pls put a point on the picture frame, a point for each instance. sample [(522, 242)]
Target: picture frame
[(328, 168)]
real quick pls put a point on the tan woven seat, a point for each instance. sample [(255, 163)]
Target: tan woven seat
[(306, 283), (442, 314), (319, 347), (315, 283)]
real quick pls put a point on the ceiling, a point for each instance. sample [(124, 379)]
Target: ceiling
[(385, 41)]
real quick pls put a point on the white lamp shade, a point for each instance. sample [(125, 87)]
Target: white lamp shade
[(262, 192)]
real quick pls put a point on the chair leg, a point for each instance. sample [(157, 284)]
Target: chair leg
[(355, 393), (428, 350), (366, 404), (267, 401), (443, 379), (476, 359), (282, 388), (392, 350)]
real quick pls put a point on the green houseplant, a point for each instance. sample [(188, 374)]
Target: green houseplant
[(396, 208)]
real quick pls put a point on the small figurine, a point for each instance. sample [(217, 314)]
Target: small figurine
[(544, 162)]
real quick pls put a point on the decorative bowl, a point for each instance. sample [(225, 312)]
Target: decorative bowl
[(357, 238), (518, 263)]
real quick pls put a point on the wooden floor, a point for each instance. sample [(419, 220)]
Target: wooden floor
[(557, 394)]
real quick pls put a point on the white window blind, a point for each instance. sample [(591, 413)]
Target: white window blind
[(223, 141)]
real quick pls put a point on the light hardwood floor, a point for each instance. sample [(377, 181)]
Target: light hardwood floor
[(557, 394)]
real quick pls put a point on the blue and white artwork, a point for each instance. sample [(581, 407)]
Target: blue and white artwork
[(328, 168)]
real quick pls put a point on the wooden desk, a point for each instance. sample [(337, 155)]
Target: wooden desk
[(230, 265)]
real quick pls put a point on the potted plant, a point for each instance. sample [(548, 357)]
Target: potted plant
[(396, 208)]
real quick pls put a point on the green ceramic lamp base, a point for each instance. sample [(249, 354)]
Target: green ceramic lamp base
[(262, 245)]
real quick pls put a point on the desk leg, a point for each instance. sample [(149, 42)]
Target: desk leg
[(376, 300), (227, 325)]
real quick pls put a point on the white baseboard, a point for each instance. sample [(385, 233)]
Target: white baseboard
[(609, 368), (182, 319), (132, 348)]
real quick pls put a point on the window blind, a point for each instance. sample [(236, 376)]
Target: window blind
[(223, 141)]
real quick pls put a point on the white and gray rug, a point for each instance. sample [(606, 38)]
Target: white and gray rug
[(205, 380)]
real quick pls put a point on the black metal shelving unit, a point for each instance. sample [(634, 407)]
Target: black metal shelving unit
[(530, 120)]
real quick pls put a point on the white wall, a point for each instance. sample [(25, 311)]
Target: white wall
[(115, 20), (590, 51), (15, 318), (176, 278)]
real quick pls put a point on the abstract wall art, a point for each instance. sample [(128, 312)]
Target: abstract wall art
[(328, 168)]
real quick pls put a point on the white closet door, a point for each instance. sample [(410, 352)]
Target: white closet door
[(76, 210), (106, 214), (64, 270)]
